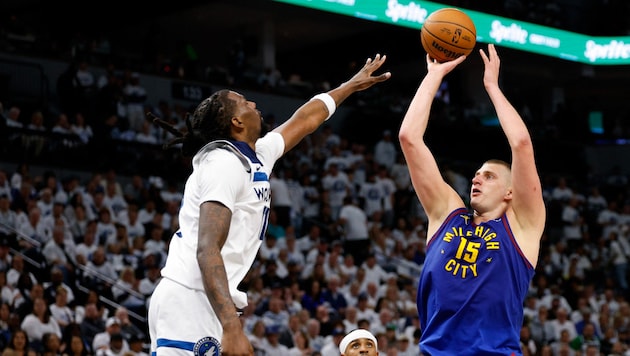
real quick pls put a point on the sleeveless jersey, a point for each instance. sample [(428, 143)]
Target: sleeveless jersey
[(233, 174), (472, 288)]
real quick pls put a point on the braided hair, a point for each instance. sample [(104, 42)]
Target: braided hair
[(209, 122)]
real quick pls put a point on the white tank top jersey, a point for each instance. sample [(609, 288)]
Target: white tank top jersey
[(219, 175)]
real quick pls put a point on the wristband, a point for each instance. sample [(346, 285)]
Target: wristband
[(328, 101)]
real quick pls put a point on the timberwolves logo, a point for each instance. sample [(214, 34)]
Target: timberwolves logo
[(208, 346)]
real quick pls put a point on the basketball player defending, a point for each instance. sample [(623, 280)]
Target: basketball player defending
[(479, 262), (223, 216)]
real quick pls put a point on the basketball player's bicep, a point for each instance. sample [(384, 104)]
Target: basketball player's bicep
[(214, 224)]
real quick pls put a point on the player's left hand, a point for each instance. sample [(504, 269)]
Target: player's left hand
[(492, 64), (364, 79)]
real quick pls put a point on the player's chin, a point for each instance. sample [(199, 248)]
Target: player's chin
[(264, 128)]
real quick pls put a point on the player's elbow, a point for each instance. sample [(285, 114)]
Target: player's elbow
[(523, 144), (405, 138), (409, 141)]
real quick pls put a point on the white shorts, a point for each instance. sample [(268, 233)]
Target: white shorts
[(182, 322)]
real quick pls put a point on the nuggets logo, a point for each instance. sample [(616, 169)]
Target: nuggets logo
[(208, 346)]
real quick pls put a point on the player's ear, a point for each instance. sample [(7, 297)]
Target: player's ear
[(236, 121)]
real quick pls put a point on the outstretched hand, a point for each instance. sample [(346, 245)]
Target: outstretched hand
[(492, 64), (443, 68), (364, 79)]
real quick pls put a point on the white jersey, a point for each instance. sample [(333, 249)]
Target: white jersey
[(219, 174)]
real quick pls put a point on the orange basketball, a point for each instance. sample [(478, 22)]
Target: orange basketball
[(448, 34)]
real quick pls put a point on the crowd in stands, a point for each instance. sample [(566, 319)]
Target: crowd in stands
[(79, 258)]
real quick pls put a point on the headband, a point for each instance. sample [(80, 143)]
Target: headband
[(355, 335)]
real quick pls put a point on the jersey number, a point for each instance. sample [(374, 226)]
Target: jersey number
[(265, 219), (467, 251)]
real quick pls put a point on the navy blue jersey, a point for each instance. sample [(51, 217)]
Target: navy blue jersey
[(472, 289)]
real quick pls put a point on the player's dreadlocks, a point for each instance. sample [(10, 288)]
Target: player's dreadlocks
[(209, 122)]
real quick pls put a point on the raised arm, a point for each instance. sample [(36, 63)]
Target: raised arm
[(314, 112), (436, 196), (527, 200)]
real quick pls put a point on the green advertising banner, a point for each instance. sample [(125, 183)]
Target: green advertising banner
[(499, 30)]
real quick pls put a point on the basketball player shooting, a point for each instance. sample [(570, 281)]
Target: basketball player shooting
[(479, 261)]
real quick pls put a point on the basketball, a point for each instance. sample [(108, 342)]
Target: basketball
[(448, 34)]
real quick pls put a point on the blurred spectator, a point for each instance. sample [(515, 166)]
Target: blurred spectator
[(135, 96), (103, 341), (116, 346), (100, 273), (385, 151), (136, 346), (8, 222), (13, 117), (301, 345), (60, 252), (81, 128), (337, 186), (19, 345), (128, 329), (76, 347), (92, 324), (38, 323), (353, 220), (269, 79), (60, 310), (315, 339), (51, 344), (126, 293)]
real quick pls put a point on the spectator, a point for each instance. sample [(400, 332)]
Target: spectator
[(8, 222), (92, 324), (331, 347), (353, 220), (100, 273), (51, 287), (34, 142), (60, 252), (337, 187), (372, 195), (81, 128), (38, 323), (103, 341), (148, 283), (128, 329), (315, 339), (135, 95), (281, 200), (17, 268), (563, 323), (257, 336), (272, 346), (136, 346), (51, 344), (334, 297), (76, 347), (385, 151), (62, 125), (301, 345), (19, 345), (117, 346), (60, 310), (13, 117), (126, 293)]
